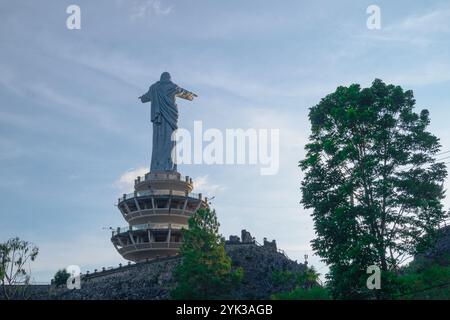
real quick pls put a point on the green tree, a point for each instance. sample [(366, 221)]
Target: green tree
[(60, 278), (205, 271), (309, 279), (15, 254), (373, 182), (307, 285)]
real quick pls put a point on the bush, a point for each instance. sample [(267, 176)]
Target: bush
[(315, 293), (432, 283)]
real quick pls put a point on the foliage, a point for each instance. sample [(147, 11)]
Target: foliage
[(306, 285), (373, 182), (309, 278), (432, 282), (206, 271), (305, 279), (14, 256), (60, 278), (299, 293)]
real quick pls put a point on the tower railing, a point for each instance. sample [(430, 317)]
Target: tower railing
[(147, 226), (149, 193), (163, 176)]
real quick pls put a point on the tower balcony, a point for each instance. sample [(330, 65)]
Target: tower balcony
[(160, 206), (164, 180), (148, 241)]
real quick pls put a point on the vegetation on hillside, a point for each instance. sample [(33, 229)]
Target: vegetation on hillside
[(430, 282), (306, 286)]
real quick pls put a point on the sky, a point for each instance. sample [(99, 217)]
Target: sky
[(73, 134)]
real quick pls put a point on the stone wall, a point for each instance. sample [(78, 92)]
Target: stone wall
[(153, 279), (147, 280)]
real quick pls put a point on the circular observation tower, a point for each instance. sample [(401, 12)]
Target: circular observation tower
[(156, 213)]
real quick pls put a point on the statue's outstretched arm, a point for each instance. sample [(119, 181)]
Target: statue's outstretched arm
[(145, 97), (185, 94)]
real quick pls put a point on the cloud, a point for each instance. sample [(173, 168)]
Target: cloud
[(251, 87), (117, 66), (426, 74), (432, 22), (63, 102), (241, 25), (203, 185), (126, 180), (291, 139), (141, 9), (10, 150), (418, 30)]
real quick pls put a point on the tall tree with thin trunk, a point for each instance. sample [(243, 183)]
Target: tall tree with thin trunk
[(15, 254), (206, 271), (374, 182)]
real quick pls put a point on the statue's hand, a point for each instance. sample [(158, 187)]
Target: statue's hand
[(185, 94), (144, 98)]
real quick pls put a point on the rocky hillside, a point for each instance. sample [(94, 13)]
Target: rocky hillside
[(153, 279)]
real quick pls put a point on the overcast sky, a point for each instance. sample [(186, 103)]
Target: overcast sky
[(73, 134)]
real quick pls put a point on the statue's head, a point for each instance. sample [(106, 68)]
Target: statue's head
[(165, 77)]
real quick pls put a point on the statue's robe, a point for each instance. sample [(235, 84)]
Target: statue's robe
[(164, 116)]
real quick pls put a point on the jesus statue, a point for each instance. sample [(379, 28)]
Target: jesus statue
[(164, 116)]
